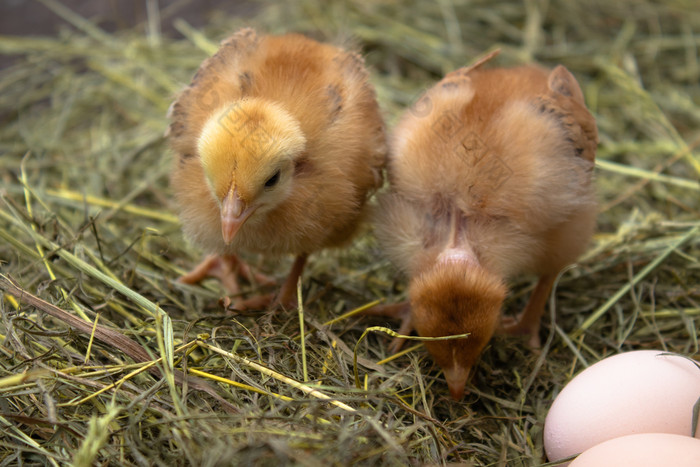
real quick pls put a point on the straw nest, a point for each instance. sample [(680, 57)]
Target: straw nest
[(105, 359)]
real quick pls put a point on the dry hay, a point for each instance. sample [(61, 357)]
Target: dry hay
[(96, 336)]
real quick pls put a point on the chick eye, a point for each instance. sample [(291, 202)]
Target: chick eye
[(272, 181)]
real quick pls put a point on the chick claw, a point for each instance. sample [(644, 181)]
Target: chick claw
[(258, 302), (400, 311), (287, 296), (227, 268), (515, 326)]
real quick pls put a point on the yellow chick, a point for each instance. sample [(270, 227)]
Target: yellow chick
[(491, 177), (279, 143)]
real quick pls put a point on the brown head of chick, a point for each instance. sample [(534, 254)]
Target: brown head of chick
[(444, 300), (495, 180), (279, 142)]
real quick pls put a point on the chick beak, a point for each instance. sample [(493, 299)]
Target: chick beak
[(234, 213), (456, 377)]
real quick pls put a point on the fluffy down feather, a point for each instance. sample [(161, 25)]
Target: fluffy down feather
[(492, 181), (279, 143)]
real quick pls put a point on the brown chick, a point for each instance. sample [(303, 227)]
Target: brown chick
[(491, 176), (279, 143)]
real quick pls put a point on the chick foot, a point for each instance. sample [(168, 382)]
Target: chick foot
[(400, 311), (514, 326), (257, 302), (286, 297), (528, 322), (226, 268)]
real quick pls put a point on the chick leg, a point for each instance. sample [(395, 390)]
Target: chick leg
[(288, 293), (227, 268), (401, 311), (528, 322), (285, 297)]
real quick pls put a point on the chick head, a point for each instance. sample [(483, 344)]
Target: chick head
[(249, 150), (456, 296)]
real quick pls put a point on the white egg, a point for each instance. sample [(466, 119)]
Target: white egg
[(643, 450), (644, 391)]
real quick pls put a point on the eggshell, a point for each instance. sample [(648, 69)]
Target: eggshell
[(634, 392), (643, 450)]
